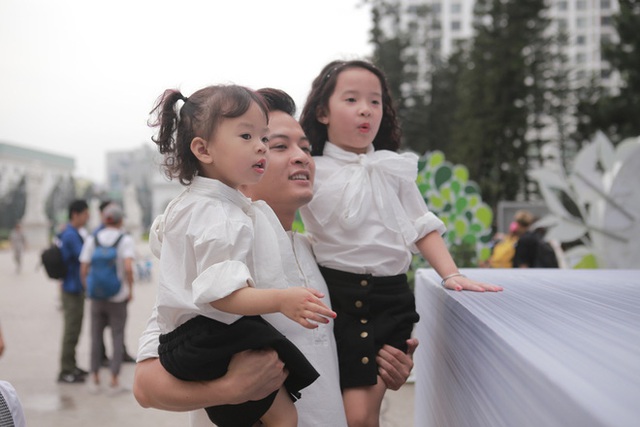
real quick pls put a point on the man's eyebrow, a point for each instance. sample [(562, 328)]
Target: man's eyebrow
[(278, 135)]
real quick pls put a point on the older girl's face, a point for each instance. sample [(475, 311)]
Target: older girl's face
[(288, 181), (354, 111)]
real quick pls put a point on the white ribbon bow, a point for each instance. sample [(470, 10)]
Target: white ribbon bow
[(344, 191)]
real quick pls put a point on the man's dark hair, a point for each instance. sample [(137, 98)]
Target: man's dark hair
[(104, 204), (77, 206), (278, 100)]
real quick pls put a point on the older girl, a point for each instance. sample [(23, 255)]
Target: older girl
[(365, 220)]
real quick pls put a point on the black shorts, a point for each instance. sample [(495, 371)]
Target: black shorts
[(201, 349), (372, 311)]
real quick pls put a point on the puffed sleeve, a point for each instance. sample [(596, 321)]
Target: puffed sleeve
[(418, 213), (150, 338), (221, 252)]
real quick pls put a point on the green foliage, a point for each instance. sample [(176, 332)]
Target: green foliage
[(457, 202), (504, 93), (487, 104), (13, 205)]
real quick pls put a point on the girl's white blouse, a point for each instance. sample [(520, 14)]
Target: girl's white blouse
[(367, 212), (212, 241)]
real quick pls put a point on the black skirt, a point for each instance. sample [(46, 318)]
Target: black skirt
[(372, 311), (201, 349)]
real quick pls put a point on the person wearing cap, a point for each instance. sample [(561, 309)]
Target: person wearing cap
[(126, 357), (111, 312)]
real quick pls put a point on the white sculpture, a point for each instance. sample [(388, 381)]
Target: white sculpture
[(34, 221), (604, 189)]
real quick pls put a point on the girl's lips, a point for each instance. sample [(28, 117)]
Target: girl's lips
[(260, 166), (364, 127)]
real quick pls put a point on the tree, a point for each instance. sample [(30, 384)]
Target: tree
[(443, 103), (13, 204), (599, 109), (398, 45), (502, 95)]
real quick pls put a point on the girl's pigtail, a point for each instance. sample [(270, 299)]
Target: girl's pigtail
[(166, 120)]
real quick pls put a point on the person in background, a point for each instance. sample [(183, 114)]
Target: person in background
[(110, 312), (505, 248), (364, 188), (18, 245), (125, 357), (285, 186), (72, 292), (526, 249), (11, 412)]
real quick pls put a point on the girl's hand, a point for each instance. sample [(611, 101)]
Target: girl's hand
[(462, 283), (303, 305)]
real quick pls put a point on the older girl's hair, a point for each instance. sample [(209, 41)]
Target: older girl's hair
[(199, 116), (388, 136)]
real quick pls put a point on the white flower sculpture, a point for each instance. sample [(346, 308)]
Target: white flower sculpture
[(597, 204)]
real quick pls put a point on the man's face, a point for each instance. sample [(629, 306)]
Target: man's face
[(81, 218), (287, 183)]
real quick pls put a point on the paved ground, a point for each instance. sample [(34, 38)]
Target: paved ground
[(32, 323)]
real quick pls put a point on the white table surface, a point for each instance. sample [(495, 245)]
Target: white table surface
[(555, 348)]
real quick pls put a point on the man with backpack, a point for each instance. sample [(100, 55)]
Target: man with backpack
[(107, 273), (71, 242)]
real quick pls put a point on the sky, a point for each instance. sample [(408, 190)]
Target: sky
[(79, 78)]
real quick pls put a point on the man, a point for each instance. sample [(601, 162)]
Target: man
[(286, 185), (72, 292), (112, 311), (104, 360)]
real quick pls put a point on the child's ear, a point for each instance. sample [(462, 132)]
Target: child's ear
[(200, 149), (321, 116)]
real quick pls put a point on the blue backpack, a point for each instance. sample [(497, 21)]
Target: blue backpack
[(103, 281)]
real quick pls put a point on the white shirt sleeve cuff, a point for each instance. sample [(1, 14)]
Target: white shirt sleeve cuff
[(426, 224), (220, 280)]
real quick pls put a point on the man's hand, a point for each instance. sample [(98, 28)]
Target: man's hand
[(394, 366), (258, 373)]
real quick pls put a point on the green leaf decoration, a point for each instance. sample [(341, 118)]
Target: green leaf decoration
[(472, 188), (484, 215), (588, 261), (443, 174), (445, 191), (456, 200), (436, 202), (469, 239), (460, 227), (435, 160), (462, 173)]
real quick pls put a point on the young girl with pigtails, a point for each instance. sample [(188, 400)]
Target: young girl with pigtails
[(218, 251), (366, 219)]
